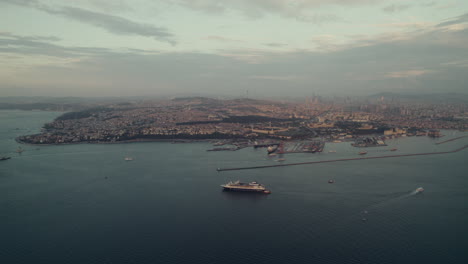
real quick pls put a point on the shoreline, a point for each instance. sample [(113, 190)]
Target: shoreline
[(116, 142), (188, 140)]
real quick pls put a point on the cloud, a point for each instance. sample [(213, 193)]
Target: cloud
[(275, 77), (40, 45), (429, 4), (407, 25), (21, 2), (326, 43), (113, 24), (302, 10), (456, 20), (406, 74), (111, 6), (246, 56), (456, 63), (275, 45), (221, 38), (395, 8), (424, 60)]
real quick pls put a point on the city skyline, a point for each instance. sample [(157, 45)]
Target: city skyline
[(273, 48)]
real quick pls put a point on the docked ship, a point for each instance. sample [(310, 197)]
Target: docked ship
[(245, 187), (272, 149)]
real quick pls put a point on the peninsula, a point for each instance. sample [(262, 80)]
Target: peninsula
[(198, 118)]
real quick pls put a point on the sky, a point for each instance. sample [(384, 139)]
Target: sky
[(251, 48)]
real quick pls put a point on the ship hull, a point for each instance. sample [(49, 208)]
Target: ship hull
[(227, 189)]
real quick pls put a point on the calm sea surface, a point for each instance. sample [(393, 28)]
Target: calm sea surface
[(84, 204)]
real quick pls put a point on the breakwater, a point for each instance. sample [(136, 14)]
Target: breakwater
[(349, 159), (449, 140)]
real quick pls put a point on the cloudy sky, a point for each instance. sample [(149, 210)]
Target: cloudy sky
[(228, 47)]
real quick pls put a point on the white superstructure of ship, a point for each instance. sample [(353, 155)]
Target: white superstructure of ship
[(245, 187)]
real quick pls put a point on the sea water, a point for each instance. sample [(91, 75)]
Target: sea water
[(84, 203)]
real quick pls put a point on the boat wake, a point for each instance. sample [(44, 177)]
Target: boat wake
[(378, 205)]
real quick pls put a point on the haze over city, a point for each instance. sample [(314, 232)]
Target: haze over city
[(268, 48), (233, 131)]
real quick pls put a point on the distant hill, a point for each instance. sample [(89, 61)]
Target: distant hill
[(208, 100), (433, 98)]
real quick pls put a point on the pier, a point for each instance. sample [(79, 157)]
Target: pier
[(338, 160), (449, 140), (301, 147)]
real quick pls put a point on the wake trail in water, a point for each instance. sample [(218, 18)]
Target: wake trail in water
[(392, 200), (343, 223)]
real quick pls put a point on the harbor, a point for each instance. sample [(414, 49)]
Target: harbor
[(300, 147), (341, 160), (273, 147), (369, 142)]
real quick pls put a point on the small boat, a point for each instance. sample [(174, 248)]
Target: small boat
[(393, 149), (331, 181), (419, 190), (19, 150), (363, 153), (128, 158), (280, 159), (5, 158), (332, 151)]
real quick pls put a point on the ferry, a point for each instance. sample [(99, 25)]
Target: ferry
[(238, 186)]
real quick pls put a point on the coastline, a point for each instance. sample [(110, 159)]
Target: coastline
[(116, 142)]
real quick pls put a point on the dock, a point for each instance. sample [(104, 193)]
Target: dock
[(302, 147), (338, 160)]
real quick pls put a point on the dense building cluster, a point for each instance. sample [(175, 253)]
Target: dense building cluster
[(205, 118)]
